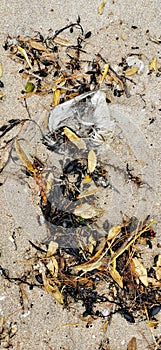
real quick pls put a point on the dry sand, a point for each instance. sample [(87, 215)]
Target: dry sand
[(46, 326)]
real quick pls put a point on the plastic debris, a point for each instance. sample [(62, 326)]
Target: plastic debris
[(135, 62), (94, 112)]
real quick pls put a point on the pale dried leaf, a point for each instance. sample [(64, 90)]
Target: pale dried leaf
[(92, 244), (116, 80), (22, 155), (132, 345), (57, 82), (24, 54), (52, 289), (29, 94), (158, 268), (158, 272), (159, 261), (59, 86), (92, 161), (57, 95), (49, 182), (101, 7), (104, 73), (48, 55), (53, 266), (140, 271), (52, 248), (93, 263), (100, 249), (56, 294), (131, 71), (153, 65), (116, 276), (88, 192), (2, 95), (113, 232), (74, 138), (90, 248), (62, 42), (37, 45), (87, 211), (71, 135), (89, 266)]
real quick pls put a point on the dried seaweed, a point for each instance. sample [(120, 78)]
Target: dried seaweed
[(80, 273), (40, 57), (78, 260)]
